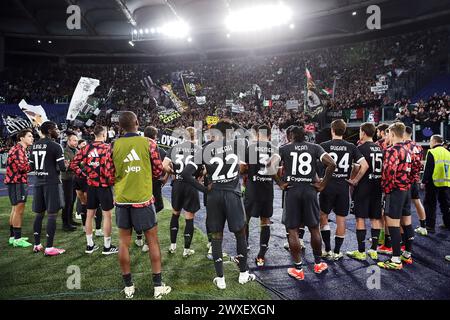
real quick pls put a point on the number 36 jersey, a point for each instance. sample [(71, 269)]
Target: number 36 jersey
[(299, 161), (181, 155)]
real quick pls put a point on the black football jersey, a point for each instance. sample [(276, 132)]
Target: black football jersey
[(299, 161), (344, 154), (47, 161), (221, 159), (373, 154), (181, 154), (259, 183)]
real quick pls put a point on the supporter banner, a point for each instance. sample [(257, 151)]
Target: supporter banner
[(292, 104), (212, 120), (275, 97), (356, 114), (334, 114), (115, 116), (200, 100), (237, 108), (15, 124), (229, 103), (379, 89), (36, 114), (168, 116), (179, 105), (166, 140), (88, 113), (85, 87)]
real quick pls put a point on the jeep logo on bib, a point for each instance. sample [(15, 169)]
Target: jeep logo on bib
[(133, 169)]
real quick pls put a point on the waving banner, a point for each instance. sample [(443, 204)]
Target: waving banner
[(15, 124), (36, 114), (85, 87)]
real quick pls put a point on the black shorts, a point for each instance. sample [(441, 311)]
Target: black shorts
[(18, 193), (335, 197), (140, 219), (301, 207), (367, 204), (100, 196), (415, 191), (262, 208), (184, 196), (48, 198), (224, 206), (80, 184), (397, 204), (159, 202)]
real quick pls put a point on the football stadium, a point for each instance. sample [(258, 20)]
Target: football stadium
[(240, 152)]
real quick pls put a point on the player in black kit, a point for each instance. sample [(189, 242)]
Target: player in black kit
[(184, 196), (299, 160), (222, 158), (336, 195), (258, 198), (367, 194), (47, 160)]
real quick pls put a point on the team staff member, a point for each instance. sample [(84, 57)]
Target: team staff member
[(396, 183), (136, 162), (67, 181), (94, 161), (80, 187), (436, 179), (417, 156), (47, 161), (16, 179)]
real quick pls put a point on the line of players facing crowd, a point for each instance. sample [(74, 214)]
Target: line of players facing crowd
[(382, 170)]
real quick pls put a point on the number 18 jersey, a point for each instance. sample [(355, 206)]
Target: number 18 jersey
[(299, 161)]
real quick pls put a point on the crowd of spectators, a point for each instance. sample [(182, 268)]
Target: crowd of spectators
[(352, 69)]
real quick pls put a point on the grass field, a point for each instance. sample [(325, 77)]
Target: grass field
[(25, 275)]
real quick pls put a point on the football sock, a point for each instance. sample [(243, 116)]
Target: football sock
[(241, 245), (423, 223), (127, 280), (387, 240), (338, 241), (216, 245), (83, 214), (264, 240), (157, 279), (37, 228), (326, 237), (361, 237), (375, 235), (89, 240), (17, 233), (395, 238), (107, 242), (51, 229), (409, 236), (174, 228), (11, 231), (188, 233)]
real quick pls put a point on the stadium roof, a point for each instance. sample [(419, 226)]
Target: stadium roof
[(106, 25)]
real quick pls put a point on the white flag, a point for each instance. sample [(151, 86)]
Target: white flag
[(36, 114), (85, 87), (201, 100)]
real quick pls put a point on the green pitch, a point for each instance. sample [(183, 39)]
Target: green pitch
[(25, 275)]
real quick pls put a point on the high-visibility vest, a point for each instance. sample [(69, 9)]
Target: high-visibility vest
[(441, 173)]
